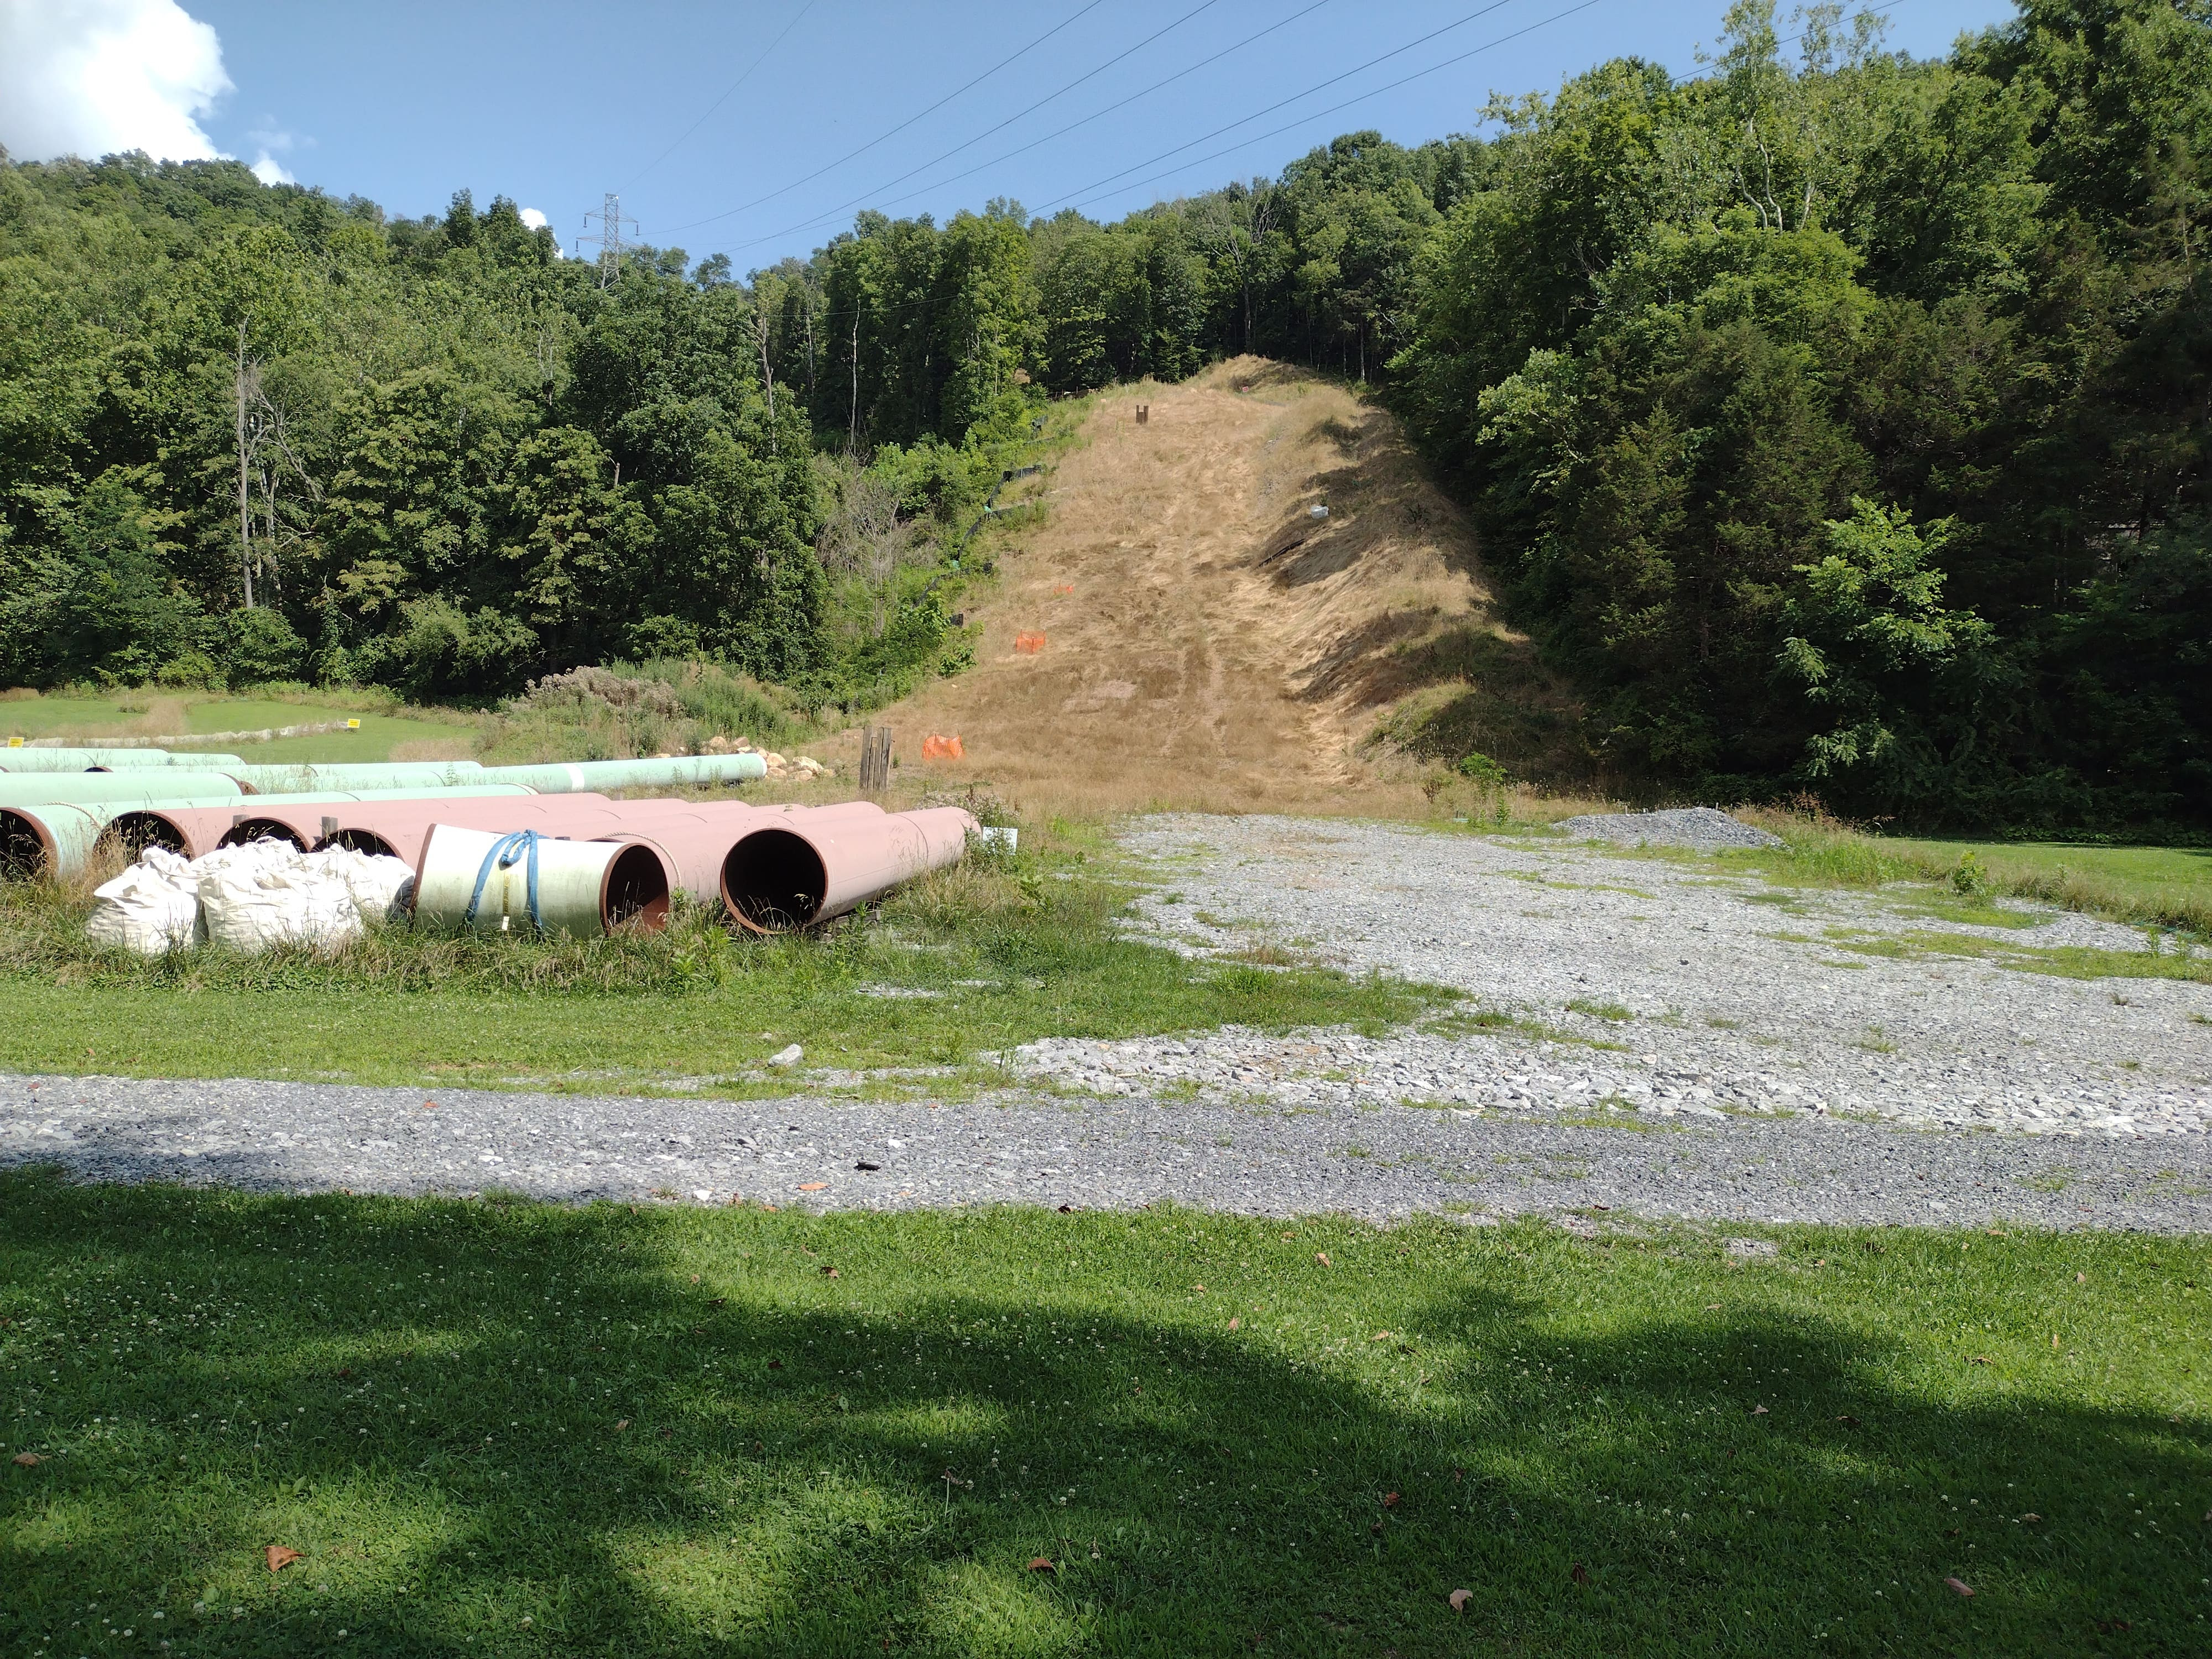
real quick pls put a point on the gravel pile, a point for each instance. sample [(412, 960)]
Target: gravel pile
[(1015, 1148), (1683, 826)]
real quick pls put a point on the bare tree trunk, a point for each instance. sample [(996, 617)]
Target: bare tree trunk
[(768, 380), (245, 506), (853, 427)]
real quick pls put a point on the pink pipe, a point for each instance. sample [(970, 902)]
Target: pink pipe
[(200, 830), (802, 871)]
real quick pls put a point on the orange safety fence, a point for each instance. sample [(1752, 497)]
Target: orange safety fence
[(935, 747), (1028, 644)]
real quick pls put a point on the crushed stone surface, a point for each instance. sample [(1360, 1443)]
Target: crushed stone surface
[(1667, 984), (1381, 1164), (1679, 826), (1651, 1035)]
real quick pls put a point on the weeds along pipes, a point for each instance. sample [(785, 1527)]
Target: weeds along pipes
[(799, 874), (519, 881)]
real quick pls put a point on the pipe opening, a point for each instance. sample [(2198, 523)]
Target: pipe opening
[(22, 848), (359, 841), (773, 881), (635, 890), (253, 829), (137, 832)]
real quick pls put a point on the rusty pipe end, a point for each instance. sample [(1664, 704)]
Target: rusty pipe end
[(774, 881), (634, 891), (27, 847)]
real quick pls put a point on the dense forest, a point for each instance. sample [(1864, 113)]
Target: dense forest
[(1839, 421)]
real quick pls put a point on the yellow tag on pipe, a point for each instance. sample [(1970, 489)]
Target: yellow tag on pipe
[(14, 743), (353, 726)]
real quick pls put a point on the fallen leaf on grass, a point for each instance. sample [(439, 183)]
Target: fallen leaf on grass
[(1981, 1359), (1848, 1420), (1960, 1586), (1758, 1411), (1200, 1289), (812, 1185), (1235, 1323), (2080, 1279), (1391, 1500), (1322, 1256), (32, 1460), (1712, 1306), (620, 1427), (1041, 1565), (1376, 1527), (2031, 1517), (281, 1556), (1581, 1574), (1380, 1336), (1459, 1599), (829, 1272)]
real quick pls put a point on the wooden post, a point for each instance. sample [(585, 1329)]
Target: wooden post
[(875, 759)]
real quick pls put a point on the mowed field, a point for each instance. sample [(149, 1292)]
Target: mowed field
[(1208, 642)]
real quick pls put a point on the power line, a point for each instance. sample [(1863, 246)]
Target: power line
[(1296, 97), (830, 213), (711, 218), (723, 100), (1088, 191), (1023, 149)]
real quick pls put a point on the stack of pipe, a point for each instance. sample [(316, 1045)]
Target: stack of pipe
[(773, 869), (770, 868)]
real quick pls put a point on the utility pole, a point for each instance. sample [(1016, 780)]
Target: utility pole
[(609, 238)]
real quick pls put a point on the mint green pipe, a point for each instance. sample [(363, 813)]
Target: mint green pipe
[(54, 841), (81, 760), (374, 777), (580, 777), (141, 784)]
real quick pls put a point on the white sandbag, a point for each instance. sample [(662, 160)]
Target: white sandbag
[(248, 897), (269, 893), (152, 906)]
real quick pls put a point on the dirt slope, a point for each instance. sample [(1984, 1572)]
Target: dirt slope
[(1210, 643)]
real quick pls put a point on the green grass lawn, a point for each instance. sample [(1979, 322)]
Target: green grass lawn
[(2150, 875), (493, 1428), (384, 725), (960, 965)]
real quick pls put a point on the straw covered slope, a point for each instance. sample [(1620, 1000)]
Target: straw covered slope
[(1208, 642)]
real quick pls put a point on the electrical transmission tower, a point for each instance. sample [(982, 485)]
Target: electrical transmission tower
[(609, 238)]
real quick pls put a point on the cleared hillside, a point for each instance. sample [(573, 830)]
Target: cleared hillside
[(1209, 642)]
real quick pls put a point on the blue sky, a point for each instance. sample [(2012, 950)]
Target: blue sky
[(553, 103)]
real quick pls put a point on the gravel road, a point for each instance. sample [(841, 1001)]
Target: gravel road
[(1676, 1043), (1380, 1164)]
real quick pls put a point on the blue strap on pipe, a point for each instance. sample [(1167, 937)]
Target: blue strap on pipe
[(504, 853)]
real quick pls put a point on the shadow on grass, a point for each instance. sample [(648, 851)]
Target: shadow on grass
[(493, 1428)]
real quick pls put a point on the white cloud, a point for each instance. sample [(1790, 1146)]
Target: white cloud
[(533, 218), (89, 77), (271, 171)]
